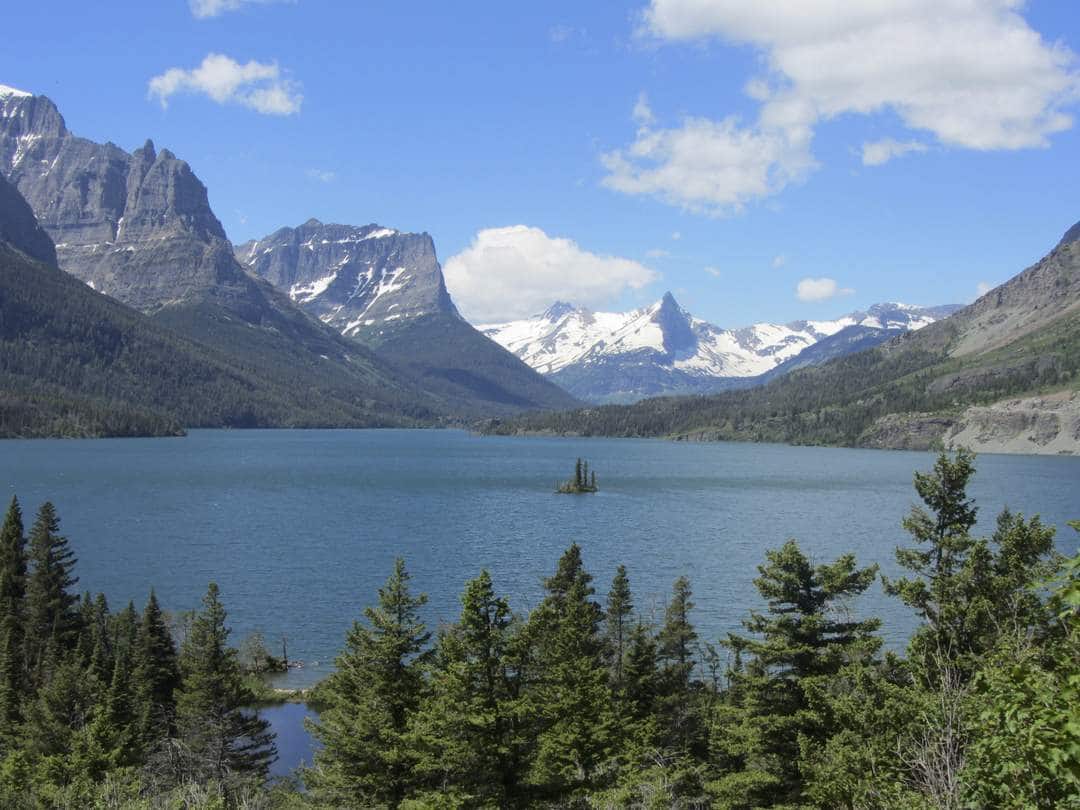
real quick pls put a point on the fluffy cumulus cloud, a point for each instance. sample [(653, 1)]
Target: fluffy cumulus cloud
[(203, 9), (820, 289), (259, 86), (970, 73), (876, 153), (517, 271), (709, 166)]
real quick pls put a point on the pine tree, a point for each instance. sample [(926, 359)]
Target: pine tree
[(52, 621), (798, 642), (967, 590), (571, 697), (684, 729), (465, 730), (12, 617), (370, 698), (156, 676), (223, 736), (620, 608)]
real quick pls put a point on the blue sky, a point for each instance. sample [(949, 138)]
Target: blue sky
[(715, 149)]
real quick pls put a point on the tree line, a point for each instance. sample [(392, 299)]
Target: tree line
[(585, 701)]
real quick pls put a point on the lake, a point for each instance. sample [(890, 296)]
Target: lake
[(299, 528)]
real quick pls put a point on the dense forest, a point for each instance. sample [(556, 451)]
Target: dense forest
[(838, 402), (76, 363), (584, 702)]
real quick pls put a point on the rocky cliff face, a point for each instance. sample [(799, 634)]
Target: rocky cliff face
[(19, 228), (137, 227), (359, 280), (1042, 293)]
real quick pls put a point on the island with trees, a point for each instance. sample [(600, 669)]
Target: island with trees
[(583, 482)]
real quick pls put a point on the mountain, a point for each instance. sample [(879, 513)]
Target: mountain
[(74, 362), (1000, 375), (138, 227), (663, 349), (385, 289)]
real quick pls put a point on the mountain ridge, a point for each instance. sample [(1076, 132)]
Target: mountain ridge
[(663, 349)]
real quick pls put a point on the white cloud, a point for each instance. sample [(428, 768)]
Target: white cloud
[(710, 166), (259, 86), (321, 175), (820, 289), (202, 9), (715, 272), (972, 73), (779, 261), (517, 271), (876, 153)]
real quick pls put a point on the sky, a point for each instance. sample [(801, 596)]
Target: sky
[(763, 160)]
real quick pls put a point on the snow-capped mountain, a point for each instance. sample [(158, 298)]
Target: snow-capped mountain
[(385, 288), (357, 279), (662, 348)]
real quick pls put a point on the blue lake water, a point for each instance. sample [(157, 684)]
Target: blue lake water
[(299, 528)]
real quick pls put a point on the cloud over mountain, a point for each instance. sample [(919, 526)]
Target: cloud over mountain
[(259, 86), (517, 271)]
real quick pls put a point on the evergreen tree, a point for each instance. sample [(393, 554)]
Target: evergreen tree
[(156, 676), (52, 621), (800, 641), (370, 698), (684, 729), (620, 609), (571, 697), (967, 590), (466, 730), (12, 617), (942, 532), (222, 736), (641, 681)]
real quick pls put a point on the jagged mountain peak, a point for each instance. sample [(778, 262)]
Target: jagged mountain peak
[(558, 311), (662, 348)]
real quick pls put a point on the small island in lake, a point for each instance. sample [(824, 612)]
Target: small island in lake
[(583, 482)]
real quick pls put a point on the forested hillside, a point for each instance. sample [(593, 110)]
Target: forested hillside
[(76, 363)]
